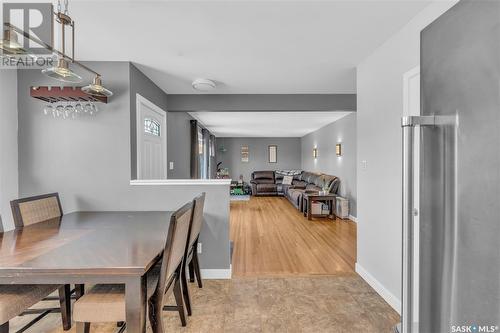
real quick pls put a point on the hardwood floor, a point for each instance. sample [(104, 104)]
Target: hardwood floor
[(272, 238)]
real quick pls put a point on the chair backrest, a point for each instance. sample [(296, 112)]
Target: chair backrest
[(177, 238), (198, 204), (31, 210)]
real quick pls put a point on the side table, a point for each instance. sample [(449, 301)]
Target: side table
[(309, 198)]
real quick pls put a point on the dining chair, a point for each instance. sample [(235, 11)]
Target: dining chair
[(106, 302), (28, 211), (16, 299), (191, 253), (31, 210)]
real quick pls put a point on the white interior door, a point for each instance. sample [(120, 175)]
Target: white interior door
[(411, 107), (151, 140)]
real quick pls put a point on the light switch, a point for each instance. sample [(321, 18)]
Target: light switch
[(171, 165), (364, 164)]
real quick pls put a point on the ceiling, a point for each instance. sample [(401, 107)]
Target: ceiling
[(266, 124), (247, 47)]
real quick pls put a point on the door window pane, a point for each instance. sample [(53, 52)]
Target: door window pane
[(151, 126)]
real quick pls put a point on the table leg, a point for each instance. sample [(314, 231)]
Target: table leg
[(65, 303), (309, 209), (79, 290), (304, 207), (334, 208), (135, 298)]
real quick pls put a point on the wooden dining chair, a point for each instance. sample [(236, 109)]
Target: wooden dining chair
[(106, 302), (191, 252), (16, 299), (28, 211), (31, 210)]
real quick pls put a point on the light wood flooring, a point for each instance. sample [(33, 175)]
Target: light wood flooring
[(343, 303), (272, 238)]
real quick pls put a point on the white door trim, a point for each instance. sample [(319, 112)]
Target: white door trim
[(407, 77), (139, 99)]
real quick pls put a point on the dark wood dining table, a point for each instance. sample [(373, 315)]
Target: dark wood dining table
[(89, 248)]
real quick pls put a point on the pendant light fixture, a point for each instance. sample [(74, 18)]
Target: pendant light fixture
[(11, 48), (62, 72), (96, 88), (10, 43)]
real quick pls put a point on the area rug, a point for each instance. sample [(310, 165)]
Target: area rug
[(239, 197)]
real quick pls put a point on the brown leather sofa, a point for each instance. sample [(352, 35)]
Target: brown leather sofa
[(271, 183)]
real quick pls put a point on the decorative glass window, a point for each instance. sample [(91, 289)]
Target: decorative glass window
[(151, 126)]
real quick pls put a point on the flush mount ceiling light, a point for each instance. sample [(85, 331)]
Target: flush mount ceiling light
[(204, 84), (62, 72), (96, 88)]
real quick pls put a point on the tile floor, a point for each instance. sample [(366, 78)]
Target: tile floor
[(339, 303)]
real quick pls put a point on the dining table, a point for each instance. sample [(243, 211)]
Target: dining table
[(88, 248)]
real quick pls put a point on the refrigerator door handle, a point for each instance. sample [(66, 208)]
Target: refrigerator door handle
[(408, 124)]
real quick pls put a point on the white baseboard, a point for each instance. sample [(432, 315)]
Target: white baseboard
[(216, 274), (389, 297), (353, 218)]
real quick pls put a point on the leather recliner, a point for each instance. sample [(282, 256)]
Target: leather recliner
[(263, 183)]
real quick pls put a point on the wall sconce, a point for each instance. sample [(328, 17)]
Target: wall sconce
[(315, 152), (338, 149)]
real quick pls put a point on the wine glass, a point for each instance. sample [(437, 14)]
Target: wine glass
[(78, 108), (48, 109), (68, 110), (88, 108), (59, 110)]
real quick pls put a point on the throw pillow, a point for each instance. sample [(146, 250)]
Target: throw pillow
[(287, 180)]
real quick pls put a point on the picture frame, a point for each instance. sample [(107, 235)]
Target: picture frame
[(244, 154), (272, 153)]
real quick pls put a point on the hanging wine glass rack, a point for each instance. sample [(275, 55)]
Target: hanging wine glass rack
[(64, 94)]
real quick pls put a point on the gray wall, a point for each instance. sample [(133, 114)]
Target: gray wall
[(288, 155), (178, 130), (342, 131), (141, 84), (380, 107), (179, 144), (8, 145), (88, 160)]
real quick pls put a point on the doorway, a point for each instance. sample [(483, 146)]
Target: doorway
[(151, 140)]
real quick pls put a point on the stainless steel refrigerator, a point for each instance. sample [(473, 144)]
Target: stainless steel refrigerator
[(458, 273)]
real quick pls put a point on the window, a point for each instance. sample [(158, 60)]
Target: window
[(151, 126)]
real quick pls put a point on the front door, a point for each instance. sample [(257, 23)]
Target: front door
[(151, 140)]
